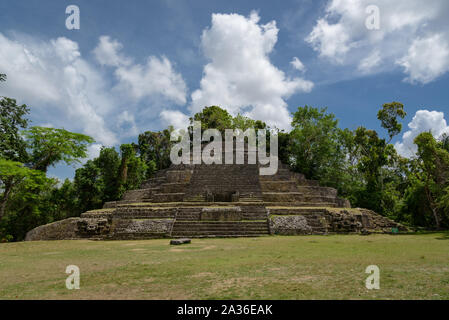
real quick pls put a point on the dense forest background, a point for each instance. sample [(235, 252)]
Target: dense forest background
[(363, 166)]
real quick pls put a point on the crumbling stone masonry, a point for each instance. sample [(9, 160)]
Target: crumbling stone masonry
[(228, 200)]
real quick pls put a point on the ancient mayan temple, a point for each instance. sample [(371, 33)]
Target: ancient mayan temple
[(219, 201)]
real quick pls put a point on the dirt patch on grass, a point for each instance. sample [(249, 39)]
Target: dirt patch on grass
[(233, 283), (203, 275), (302, 279), (208, 247)]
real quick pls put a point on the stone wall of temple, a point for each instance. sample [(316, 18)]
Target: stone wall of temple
[(219, 201)]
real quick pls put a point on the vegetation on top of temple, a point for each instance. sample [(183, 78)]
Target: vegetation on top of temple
[(363, 166)]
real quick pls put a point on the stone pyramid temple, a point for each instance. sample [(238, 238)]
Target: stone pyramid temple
[(228, 200)]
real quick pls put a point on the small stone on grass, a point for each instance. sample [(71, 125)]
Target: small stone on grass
[(180, 241)]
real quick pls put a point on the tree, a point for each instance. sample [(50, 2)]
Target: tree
[(154, 149), (243, 123), (136, 173), (373, 157), (132, 169), (88, 187), (46, 146), (12, 144), (14, 175), (213, 117), (61, 201), (415, 208), (284, 147), (108, 163), (433, 161), (49, 146), (388, 117), (314, 143), (444, 141), (348, 179)]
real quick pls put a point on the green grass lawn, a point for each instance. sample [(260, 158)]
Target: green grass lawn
[(296, 267)]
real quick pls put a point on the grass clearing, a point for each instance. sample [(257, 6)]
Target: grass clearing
[(275, 267)]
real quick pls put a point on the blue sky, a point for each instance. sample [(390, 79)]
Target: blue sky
[(142, 65)]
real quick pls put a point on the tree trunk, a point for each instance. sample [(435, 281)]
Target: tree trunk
[(433, 207), (4, 200)]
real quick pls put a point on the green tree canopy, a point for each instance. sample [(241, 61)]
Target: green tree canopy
[(154, 149), (14, 175), (433, 161), (12, 121), (314, 142), (213, 117), (49, 145), (388, 117)]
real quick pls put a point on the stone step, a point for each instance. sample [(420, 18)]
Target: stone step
[(219, 231), (199, 227), (172, 187), (296, 211), (152, 182), (299, 204), (250, 199), (283, 196), (318, 198), (135, 194), (135, 235), (222, 236), (222, 223), (318, 190), (216, 234), (311, 183), (168, 197), (194, 198), (279, 186), (279, 176)]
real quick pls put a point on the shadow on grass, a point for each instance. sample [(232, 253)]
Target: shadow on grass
[(444, 236)]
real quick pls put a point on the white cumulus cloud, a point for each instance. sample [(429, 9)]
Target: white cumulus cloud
[(412, 34), (426, 59), (64, 90), (423, 120), (240, 76), (107, 52), (53, 78), (175, 118), (156, 77), (297, 64)]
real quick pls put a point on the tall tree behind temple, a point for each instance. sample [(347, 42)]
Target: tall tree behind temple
[(154, 149), (314, 147), (433, 161), (108, 163), (132, 170)]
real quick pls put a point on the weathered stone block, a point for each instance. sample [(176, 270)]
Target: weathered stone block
[(221, 214), (92, 227), (180, 241), (59, 230), (154, 226), (289, 225)]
